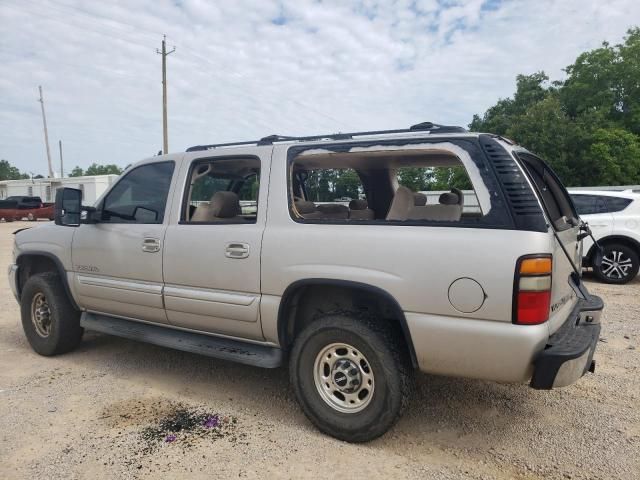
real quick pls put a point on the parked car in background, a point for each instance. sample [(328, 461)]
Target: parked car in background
[(20, 206), (614, 218)]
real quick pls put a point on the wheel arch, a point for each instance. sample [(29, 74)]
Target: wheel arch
[(296, 291), (623, 239), (34, 262)]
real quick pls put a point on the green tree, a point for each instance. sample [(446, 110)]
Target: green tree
[(110, 169), (347, 184), (77, 172), (9, 172), (612, 157), (95, 169), (415, 179), (587, 126), (605, 80)]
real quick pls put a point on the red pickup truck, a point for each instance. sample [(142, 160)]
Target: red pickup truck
[(19, 207)]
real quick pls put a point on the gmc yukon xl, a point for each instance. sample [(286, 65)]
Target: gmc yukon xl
[(253, 252)]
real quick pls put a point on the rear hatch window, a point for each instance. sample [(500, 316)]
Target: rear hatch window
[(553, 195)]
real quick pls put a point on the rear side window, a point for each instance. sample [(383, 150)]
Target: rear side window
[(589, 204), (617, 204), (412, 186), (222, 191)]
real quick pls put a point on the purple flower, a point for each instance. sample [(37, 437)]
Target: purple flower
[(170, 438), (211, 422)]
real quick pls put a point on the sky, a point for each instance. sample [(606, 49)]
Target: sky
[(246, 69)]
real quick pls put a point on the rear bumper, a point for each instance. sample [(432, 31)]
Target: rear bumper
[(568, 354)]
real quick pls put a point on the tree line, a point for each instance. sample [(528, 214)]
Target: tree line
[(10, 172), (586, 126)]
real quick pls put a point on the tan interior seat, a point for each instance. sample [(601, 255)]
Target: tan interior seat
[(306, 209), (419, 199), (401, 204), (449, 209), (333, 210), (359, 210), (223, 207)]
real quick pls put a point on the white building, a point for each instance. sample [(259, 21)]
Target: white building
[(45, 188)]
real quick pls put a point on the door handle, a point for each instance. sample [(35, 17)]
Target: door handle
[(151, 245), (237, 250)]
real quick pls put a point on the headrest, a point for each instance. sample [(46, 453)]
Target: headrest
[(358, 205), (449, 198), (460, 194), (303, 206), (419, 199), (225, 204)]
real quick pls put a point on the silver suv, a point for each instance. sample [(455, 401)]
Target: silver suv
[(459, 255)]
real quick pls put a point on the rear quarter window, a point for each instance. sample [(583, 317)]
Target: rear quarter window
[(589, 204), (617, 204)]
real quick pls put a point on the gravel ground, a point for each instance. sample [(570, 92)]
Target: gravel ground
[(88, 414)]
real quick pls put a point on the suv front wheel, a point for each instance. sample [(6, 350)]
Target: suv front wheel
[(351, 376), (619, 264), (49, 320)]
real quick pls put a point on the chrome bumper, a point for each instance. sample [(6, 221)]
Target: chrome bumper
[(13, 280)]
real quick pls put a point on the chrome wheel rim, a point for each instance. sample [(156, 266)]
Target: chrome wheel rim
[(616, 265), (344, 378), (41, 315)]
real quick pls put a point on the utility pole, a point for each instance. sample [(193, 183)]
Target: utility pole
[(46, 134), (61, 164), (164, 53)]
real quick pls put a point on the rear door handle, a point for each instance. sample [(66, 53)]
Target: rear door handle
[(237, 250), (150, 245)]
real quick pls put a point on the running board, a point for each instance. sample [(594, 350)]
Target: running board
[(217, 347)]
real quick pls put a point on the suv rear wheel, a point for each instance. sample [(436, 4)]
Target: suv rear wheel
[(50, 322), (619, 264), (351, 376)]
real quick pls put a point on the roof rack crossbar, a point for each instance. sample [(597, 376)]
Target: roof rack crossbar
[(271, 139)]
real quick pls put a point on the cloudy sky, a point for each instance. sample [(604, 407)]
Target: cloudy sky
[(245, 69)]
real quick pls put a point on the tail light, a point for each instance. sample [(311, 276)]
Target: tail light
[(532, 290)]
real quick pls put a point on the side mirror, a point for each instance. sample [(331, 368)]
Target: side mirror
[(68, 207)]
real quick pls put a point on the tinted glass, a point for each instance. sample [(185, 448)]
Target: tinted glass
[(557, 201), (239, 177), (140, 196), (589, 204), (617, 204)]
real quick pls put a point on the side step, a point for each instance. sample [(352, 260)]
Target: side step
[(217, 347)]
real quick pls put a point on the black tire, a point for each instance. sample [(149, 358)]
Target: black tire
[(612, 251), (64, 330), (384, 350)]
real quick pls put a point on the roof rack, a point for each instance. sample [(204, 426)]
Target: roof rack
[(271, 139)]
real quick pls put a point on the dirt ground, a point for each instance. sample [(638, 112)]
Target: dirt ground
[(92, 414)]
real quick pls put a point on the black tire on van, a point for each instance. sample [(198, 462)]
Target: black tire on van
[(352, 377), (49, 320)]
